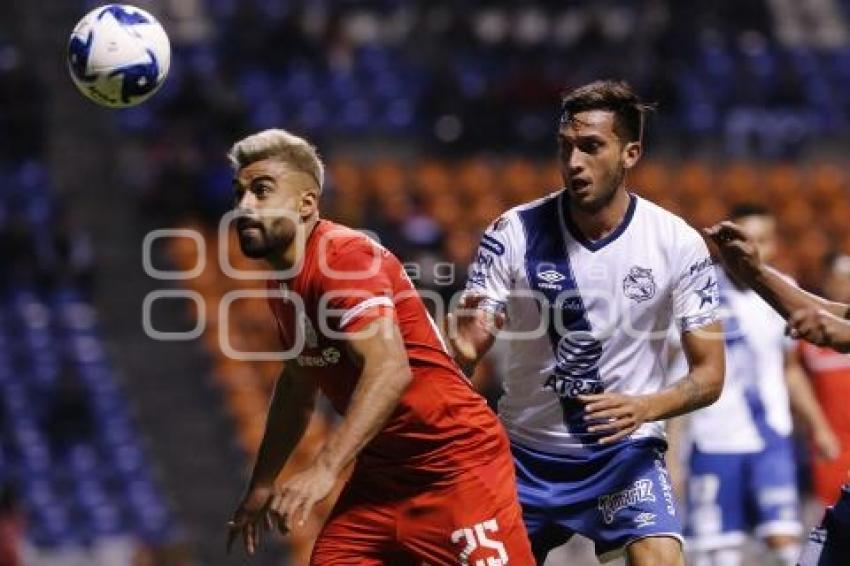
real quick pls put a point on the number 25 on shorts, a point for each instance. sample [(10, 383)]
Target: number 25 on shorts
[(475, 537)]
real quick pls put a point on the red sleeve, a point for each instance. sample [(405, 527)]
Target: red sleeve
[(357, 285)]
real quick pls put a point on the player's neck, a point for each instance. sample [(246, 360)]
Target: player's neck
[(294, 253), (599, 223)]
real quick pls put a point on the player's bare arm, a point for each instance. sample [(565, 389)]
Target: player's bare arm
[(471, 329), (821, 327), (289, 413), (620, 415), (386, 374), (804, 403), (741, 257), (810, 317)]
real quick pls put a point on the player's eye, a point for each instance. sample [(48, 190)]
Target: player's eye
[(262, 189), (590, 146)]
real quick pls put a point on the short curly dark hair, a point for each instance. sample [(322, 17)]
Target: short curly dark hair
[(614, 96)]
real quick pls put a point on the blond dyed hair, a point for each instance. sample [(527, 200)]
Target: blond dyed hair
[(282, 146)]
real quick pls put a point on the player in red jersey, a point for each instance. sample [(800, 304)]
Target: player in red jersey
[(433, 477), (830, 374)]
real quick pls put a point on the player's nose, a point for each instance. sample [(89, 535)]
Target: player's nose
[(576, 170), (247, 203), (576, 163)]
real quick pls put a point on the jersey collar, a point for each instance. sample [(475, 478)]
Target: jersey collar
[(595, 245)]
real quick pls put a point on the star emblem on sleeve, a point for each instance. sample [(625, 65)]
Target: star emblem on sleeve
[(708, 294)]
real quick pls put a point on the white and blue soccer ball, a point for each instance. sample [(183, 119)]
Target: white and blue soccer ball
[(118, 55)]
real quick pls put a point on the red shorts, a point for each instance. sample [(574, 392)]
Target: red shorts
[(473, 519)]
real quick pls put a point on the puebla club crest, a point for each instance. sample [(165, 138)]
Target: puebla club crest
[(639, 284)]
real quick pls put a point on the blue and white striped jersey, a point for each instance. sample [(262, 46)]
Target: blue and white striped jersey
[(753, 408), (587, 316)]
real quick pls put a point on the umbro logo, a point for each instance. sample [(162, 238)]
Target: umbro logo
[(550, 279), (644, 519), (551, 276)]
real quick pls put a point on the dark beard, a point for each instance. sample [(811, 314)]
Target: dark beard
[(264, 244), (255, 248), (604, 196)]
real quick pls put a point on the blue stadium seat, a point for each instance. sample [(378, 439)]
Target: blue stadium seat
[(80, 492)]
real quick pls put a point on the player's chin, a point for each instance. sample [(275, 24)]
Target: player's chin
[(253, 246), (585, 199)]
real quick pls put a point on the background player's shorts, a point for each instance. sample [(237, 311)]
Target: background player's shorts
[(619, 495), (732, 494), (475, 519)]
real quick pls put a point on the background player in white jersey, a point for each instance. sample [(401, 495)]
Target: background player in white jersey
[(812, 318), (600, 272), (742, 475)]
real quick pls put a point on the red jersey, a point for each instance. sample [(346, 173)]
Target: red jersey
[(346, 281), (830, 374)]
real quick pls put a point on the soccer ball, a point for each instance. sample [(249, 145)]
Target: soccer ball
[(118, 55)]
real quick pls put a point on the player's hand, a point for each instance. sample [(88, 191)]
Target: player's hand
[(250, 517), (296, 497), (826, 443), (820, 327), (737, 249), (614, 413), (470, 329)]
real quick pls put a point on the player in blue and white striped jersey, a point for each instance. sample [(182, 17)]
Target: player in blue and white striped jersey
[(584, 284)]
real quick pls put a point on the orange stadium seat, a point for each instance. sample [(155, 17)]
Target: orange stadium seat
[(782, 181), (476, 177), (350, 192), (395, 207), (827, 184), (797, 215), (520, 181), (740, 182), (388, 177), (485, 211), (809, 250), (651, 179), (446, 209), (346, 176), (693, 180), (431, 178), (837, 214), (706, 211)]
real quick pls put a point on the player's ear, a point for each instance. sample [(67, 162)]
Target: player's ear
[(631, 154), (309, 204)]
